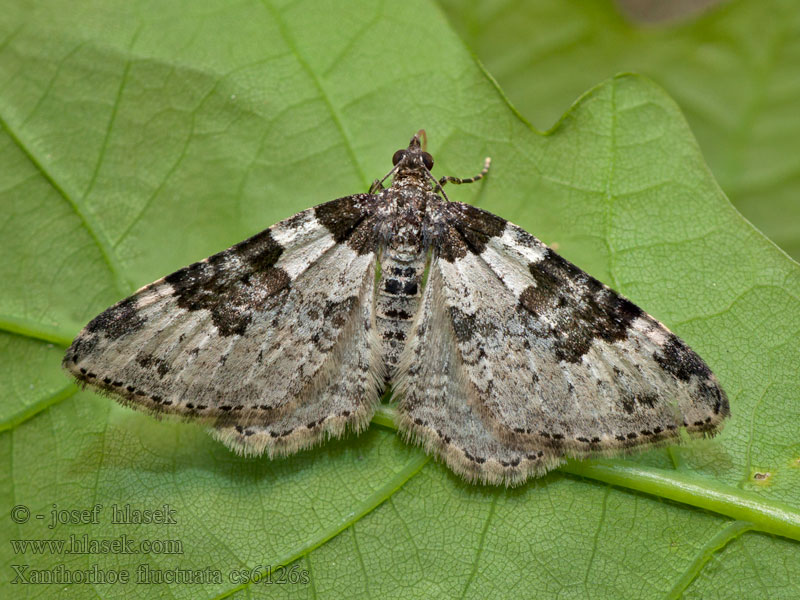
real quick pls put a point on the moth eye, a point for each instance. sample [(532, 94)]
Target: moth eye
[(427, 159), (398, 156)]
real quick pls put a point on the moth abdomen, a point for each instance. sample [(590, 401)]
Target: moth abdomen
[(399, 289)]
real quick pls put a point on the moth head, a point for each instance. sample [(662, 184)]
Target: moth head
[(414, 158)]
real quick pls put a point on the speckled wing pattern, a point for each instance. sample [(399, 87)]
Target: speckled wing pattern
[(519, 359), (269, 342), (504, 357)]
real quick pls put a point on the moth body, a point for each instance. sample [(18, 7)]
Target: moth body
[(505, 357)]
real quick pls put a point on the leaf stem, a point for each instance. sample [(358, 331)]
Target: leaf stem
[(764, 514), (384, 417)]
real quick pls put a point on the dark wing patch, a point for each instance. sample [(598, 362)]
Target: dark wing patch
[(470, 228), (342, 217), (581, 308), (232, 284)]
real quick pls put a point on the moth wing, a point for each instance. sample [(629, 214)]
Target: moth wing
[(274, 328), (437, 407), (344, 395), (555, 358)]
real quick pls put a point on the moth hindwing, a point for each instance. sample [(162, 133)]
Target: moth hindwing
[(506, 358)]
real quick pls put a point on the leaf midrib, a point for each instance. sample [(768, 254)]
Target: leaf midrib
[(769, 516)]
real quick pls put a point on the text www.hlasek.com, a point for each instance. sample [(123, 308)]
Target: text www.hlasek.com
[(86, 545)]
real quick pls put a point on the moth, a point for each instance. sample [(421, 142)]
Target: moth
[(505, 357)]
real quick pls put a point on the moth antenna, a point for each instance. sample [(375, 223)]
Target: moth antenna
[(424, 136)]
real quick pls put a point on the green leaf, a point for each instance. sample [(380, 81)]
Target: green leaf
[(734, 71), (137, 138)]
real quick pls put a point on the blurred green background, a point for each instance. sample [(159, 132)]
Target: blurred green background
[(733, 67)]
